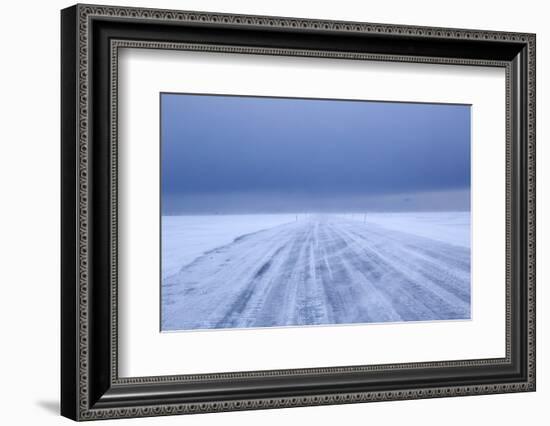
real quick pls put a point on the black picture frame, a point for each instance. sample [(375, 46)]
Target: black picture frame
[(90, 386)]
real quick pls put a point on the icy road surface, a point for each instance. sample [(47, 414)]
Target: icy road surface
[(322, 270)]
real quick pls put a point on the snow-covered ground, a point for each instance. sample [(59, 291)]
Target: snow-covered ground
[(274, 270), (184, 238), (448, 227)]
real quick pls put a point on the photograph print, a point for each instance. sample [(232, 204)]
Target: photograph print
[(279, 212)]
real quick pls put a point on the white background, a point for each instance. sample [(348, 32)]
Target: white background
[(146, 352), (29, 225)]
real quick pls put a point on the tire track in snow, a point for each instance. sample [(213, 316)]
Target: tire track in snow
[(321, 270), (413, 296), (426, 258), (209, 289)]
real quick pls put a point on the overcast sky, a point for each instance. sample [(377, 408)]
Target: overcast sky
[(232, 154)]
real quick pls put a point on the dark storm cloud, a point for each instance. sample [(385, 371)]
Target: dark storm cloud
[(255, 150)]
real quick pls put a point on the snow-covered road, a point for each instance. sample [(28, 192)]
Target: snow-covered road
[(319, 270)]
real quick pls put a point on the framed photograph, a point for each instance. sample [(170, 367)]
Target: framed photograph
[(263, 212)]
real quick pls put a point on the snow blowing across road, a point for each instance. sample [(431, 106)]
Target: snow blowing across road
[(288, 270)]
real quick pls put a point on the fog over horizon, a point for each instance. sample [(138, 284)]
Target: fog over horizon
[(220, 204), (239, 155)]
